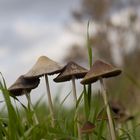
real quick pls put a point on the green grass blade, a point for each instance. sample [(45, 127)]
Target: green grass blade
[(14, 125), (79, 99), (86, 105), (132, 79), (89, 46), (65, 98)]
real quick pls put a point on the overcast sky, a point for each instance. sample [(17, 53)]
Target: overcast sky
[(31, 28)]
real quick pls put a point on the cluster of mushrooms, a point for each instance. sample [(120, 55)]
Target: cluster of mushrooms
[(45, 67)]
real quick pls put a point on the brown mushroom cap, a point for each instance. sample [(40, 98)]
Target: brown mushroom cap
[(88, 127), (22, 84), (44, 65), (70, 70), (117, 107), (120, 111), (100, 69)]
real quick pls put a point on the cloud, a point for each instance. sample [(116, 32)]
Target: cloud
[(55, 48), (36, 30)]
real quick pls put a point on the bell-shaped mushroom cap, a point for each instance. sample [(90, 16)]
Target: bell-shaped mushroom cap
[(70, 70), (22, 84), (100, 69), (88, 127), (44, 65)]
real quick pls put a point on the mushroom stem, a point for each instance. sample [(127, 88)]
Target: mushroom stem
[(74, 89), (50, 100), (75, 98), (104, 94), (31, 108)]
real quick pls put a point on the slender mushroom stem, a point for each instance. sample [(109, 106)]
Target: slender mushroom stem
[(50, 100), (31, 108), (74, 89), (75, 98), (104, 94)]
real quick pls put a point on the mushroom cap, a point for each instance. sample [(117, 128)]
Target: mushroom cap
[(120, 111), (44, 65), (100, 69), (88, 127), (21, 85), (70, 70), (117, 107)]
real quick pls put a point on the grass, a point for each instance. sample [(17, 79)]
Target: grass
[(17, 124)]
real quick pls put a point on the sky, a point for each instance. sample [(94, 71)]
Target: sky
[(31, 28)]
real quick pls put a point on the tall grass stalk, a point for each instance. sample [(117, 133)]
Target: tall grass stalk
[(35, 119), (50, 101), (15, 129), (75, 98), (111, 125), (90, 61)]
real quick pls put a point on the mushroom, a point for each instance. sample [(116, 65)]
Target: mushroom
[(72, 71), (120, 111), (44, 67), (117, 107), (98, 71), (87, 128), (24, 86)]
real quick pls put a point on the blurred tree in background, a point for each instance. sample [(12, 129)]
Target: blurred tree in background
[(116, 39)]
